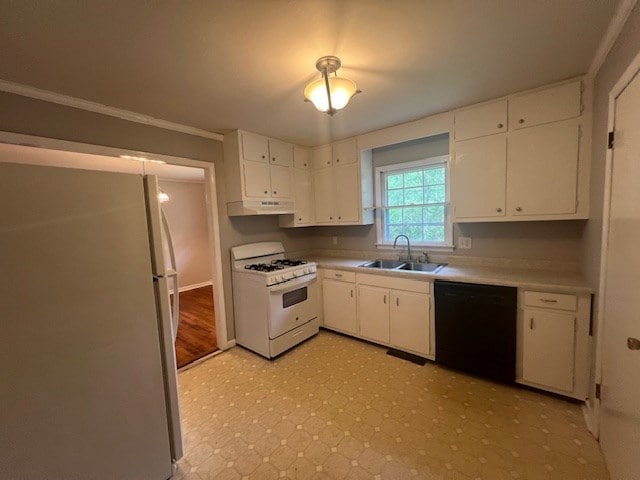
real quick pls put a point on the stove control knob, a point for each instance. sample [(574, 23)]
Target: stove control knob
[(307, 270), (295, 273), (287, 276), (312, 268)]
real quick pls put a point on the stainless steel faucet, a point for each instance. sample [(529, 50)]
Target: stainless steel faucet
[(408, 245)]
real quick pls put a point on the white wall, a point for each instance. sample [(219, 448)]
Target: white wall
[(186, 212)]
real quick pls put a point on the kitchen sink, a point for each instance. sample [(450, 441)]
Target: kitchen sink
[(380, 263), (411, 266), (423, 267)]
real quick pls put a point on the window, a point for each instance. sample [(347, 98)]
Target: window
[(413, 200)]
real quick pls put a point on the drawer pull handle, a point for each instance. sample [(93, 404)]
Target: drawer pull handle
[(397, 301), (351, 293), (385, 299), (500, 125), (548, 300), (338, 275), (531, 324)]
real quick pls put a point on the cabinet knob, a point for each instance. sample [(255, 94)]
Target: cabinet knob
[(274, 192), (498, 210), (330, 218), (299, 219), (518, 209), (328, 163), (337, 160), (266, 191), (339, 218), (263, 156), (500, 125), (521, 121), (273, 159), (305, 164)]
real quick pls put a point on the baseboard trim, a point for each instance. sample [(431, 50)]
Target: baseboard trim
[(186, 288), (200, 360), (590, 414)]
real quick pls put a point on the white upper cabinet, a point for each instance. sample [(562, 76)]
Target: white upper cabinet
[(324, 195), (280, 153), (486, 119), (549, 105), (543, 169), (255, 147), (301, 157), (345, 152), (322, 157), (346, 180), (478, 173), (258, 173), (536, 169)]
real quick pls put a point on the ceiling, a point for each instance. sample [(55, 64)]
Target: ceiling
[(227, 64)]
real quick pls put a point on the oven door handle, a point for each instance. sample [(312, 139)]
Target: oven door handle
[(292, 284)]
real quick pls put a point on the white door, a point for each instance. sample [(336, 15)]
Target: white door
[(373, 313), (548, 348), (620, 394), (478, 177), (542, 170), (339, 303), (256, 179), (409, 321), (347, 192), (323, 189)]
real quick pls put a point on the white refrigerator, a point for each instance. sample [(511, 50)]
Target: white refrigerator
[(88, 382)]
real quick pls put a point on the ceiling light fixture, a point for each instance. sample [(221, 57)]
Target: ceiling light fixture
[(330, 93)]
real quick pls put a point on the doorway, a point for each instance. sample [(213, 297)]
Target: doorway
[(186, 210), (619, 330)]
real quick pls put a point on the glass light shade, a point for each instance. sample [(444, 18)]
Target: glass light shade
[(342, 89)]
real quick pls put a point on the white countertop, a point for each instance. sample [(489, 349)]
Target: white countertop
[(530, 278)]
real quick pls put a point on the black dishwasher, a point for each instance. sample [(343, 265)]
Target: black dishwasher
[(476, 329)]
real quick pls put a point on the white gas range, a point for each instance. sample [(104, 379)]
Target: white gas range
[(275, 299)]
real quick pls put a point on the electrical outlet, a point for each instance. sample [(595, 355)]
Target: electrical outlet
[(335, 240), (464, 242)]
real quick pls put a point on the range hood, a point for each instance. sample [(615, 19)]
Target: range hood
[(259, 207)]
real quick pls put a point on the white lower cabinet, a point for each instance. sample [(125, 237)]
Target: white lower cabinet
[(373, 313), (408, 328), (554, 342), (548, 348), (389, 310), (339, 304)]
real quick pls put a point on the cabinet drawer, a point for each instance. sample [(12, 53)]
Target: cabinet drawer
[(339, 275), (481, 120), (550, 105), (394, 283), (557, 301)]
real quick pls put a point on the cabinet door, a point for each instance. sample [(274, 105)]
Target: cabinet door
[(478, 177), (409, 323), (347, 193), (301, 157), (321, 157), (255, 147), (345, 152), (548, 342), (542, 171), (323, 192), (339, 303), (256, 179), (481, 120), (303, 196), (549, 105), (280, 153), (373, 313), (280, 181)]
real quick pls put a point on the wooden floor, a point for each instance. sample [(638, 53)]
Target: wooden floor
[(197, 328)]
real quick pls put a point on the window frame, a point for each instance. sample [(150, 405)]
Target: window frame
[(447, 244)]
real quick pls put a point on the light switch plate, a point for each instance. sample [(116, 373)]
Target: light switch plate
[(464, 242)]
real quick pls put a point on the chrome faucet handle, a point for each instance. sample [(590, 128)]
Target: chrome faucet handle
[(426, 257)]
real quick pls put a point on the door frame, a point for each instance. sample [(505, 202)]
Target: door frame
[(593, 407), (212, 206)]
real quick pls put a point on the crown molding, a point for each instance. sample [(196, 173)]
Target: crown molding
[(68, 101), (611, 35)]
